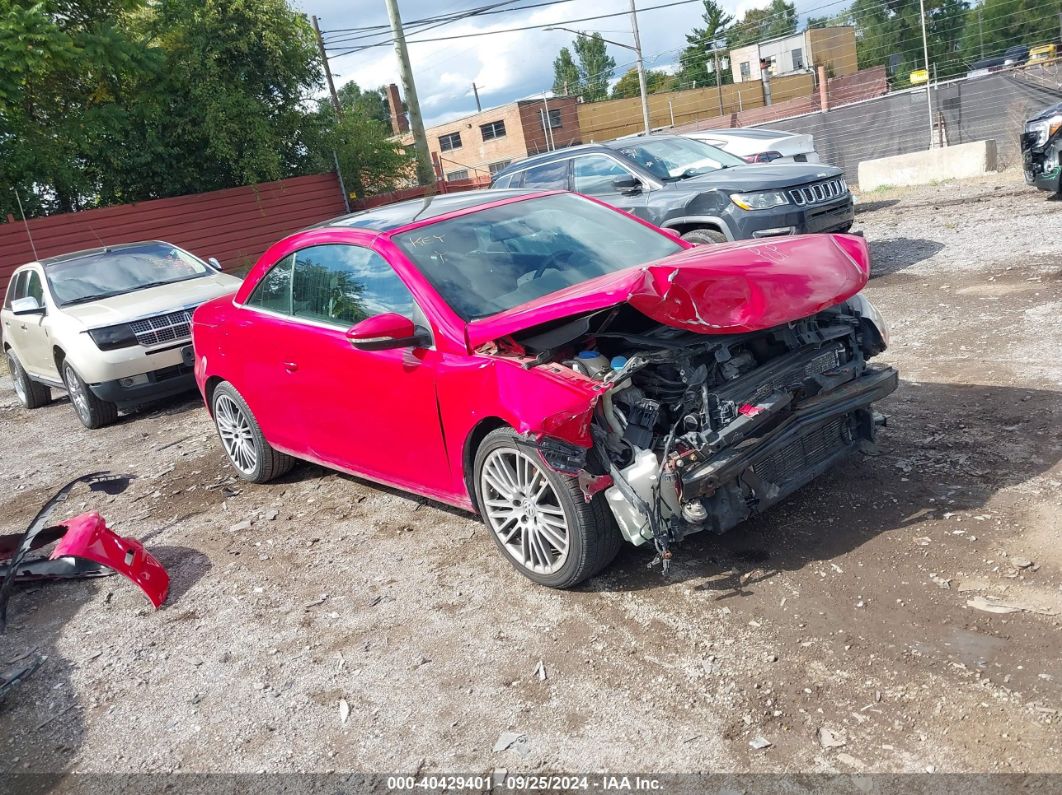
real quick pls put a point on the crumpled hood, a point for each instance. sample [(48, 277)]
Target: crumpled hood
[(721, 289), (760, 176), (1046, 113)]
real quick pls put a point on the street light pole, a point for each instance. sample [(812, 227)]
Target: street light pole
[(641, 68), (637, 48)]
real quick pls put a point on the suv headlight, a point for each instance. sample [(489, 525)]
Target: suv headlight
[(109, 338), (760, 200), (1043, 129)]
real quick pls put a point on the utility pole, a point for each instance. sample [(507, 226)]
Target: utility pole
[(641, 67), (425, 173), (327, 68), (981, 31), (718, 76), (925, 53), (479, 108)]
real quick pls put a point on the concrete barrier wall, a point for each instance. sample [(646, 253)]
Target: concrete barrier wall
[(933, 165)]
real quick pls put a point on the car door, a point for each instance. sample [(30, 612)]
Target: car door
[(35, 341), (593, 175), (25, 333), (370, 412)]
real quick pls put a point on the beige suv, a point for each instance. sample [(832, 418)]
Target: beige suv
[(111, 326)]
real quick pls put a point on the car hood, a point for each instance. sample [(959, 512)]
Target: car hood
[(1046, 113), (722, 289), (760, 176), (152, 301)]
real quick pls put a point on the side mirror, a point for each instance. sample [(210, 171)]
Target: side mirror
[(26, 306), (213, 263), (384, 332), (627, 184)]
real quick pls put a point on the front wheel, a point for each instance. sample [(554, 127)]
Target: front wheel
[(245, 445), (538, 518), (30, 394), (704, 237), (93, 412)]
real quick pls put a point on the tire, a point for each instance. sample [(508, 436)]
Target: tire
[(704, 237), (246, 448), (93, 412), (592, 539), (30, 394)]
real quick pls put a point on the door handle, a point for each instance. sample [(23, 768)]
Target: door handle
[(291, 367)]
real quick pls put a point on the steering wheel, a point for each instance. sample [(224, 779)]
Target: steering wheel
[(554, 259)]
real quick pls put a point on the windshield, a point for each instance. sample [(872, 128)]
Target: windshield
[(122, 270), (678, 158), (501, 257)]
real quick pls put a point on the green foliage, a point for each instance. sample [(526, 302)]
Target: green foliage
[(696, 64), (994, 25), (371, 104), (895, 27), (596, 67), (565, 74), (655, 82), (760, 24), (112, 101)]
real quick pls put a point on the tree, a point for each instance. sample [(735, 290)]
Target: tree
[(759, 24), (993, 25), (629, 85), (596, 67), (370, 104), (893, 31), (566, 80), (697, 66)]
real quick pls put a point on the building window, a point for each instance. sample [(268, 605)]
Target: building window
[(555, 119), (451, 141), (461, 173), (496, 167), (746, 70), (496, 129), (798, 58)]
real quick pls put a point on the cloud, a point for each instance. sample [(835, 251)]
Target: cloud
[(504, 66)]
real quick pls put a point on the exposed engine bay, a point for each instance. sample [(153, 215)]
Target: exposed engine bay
[(700, 431)]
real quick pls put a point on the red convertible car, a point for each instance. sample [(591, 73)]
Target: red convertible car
[(573, 374)]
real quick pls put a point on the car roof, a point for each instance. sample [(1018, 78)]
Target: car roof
[(546, 157), (389, 217), (743, 132)]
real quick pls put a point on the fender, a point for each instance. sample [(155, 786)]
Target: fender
[(87, 536), (713, 220)]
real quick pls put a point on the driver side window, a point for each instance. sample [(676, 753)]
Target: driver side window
[(342, 285), (594, 174)]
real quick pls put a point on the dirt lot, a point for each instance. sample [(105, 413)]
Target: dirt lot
[(839, 627)]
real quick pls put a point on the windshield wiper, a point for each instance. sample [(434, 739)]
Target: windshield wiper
[(99, 297)]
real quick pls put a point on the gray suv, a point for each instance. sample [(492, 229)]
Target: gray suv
[(701, 192)]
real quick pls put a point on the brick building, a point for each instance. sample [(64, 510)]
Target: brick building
[(486, 142)]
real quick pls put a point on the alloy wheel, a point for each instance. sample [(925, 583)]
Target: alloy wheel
[(76, 390), (236, 434), (20, 387), (523, 510)]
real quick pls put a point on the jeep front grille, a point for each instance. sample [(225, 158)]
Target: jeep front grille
[(819, 192), (171, 327)]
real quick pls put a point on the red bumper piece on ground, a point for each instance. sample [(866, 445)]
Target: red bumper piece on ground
[(87, 536)]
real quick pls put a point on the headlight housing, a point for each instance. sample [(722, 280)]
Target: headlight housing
[(866, 310), (109, 338), (760, 200), (1043, 129)]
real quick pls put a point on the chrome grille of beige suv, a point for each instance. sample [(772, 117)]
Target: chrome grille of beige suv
[(171, 327)]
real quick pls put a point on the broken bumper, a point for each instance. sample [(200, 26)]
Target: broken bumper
[(1042, 165), (761, 471)]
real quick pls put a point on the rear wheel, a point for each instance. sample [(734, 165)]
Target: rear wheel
[(246, 447), (93, 412), (30, 394), (703, 237), (538, 518)]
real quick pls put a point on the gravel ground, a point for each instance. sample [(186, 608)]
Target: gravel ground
[(841, 627)]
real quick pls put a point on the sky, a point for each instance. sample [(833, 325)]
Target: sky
[(506, 66)]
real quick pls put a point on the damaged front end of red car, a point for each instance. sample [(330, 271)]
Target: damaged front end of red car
[(720, 380)]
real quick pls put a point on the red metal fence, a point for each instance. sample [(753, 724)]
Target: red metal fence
[(235, 225), (443, 186)]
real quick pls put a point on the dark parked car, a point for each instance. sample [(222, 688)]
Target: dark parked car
[(702, 193), (1041, 149)]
